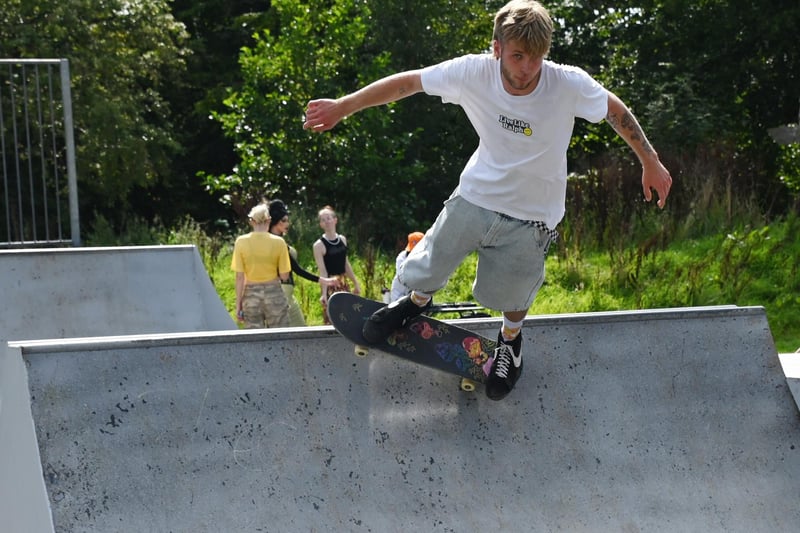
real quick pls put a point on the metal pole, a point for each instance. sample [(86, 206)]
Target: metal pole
[(5, 167), (54, 151), (69, 139), (42, 163), (21, 221)]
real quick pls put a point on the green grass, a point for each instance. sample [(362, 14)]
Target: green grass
[(750, 266), (753, 267)]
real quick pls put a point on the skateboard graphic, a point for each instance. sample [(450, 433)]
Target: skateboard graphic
[(423, 340)]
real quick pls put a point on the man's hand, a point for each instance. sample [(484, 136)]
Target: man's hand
[(322, 115), (656, 177)]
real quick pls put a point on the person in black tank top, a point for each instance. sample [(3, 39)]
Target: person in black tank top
[(330, 253)]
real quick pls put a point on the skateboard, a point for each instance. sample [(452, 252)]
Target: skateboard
[(423, 340)]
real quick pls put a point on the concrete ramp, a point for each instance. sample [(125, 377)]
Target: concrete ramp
[(82, 292), (671, 420)]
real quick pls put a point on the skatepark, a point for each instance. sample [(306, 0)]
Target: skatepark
[(130, 401)]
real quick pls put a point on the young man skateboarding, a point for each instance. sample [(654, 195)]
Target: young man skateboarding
[(511, 193)]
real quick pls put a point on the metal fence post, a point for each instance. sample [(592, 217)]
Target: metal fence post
[(69, 140)]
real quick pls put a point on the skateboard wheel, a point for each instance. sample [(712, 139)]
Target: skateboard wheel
[(467, 385), (361, 351)]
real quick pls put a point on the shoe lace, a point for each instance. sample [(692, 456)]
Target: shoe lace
[(502, 360)]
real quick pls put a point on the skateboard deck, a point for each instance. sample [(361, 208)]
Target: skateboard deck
[(424, 340)]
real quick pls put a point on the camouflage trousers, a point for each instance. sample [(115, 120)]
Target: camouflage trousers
[(264, 305), (296, 318)]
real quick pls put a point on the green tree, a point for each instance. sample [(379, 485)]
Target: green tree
[(217, 29), (391, 166), (122, 55), (724, 72), (706, 80)]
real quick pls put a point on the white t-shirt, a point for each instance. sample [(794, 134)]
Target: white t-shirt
[(520, 166)]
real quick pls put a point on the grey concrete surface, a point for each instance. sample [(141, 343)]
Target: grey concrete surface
[(84, 292), (671, 420), (24, 504)]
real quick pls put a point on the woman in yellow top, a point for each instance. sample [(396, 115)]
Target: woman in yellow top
[(261, 262)]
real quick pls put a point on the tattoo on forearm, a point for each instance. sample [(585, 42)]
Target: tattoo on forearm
[(627, 126)]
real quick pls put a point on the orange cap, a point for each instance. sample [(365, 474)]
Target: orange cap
[(413, 239)]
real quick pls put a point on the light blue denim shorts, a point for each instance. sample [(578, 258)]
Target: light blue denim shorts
[(511, 254)]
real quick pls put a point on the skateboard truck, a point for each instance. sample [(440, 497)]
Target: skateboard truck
[(360, 350)]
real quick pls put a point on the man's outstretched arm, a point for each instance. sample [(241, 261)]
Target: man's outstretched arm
[(325, 113)]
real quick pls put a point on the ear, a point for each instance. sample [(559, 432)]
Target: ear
[(496, 48)]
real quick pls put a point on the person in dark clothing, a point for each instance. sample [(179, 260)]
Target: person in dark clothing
[(279, 225), (330, 252)]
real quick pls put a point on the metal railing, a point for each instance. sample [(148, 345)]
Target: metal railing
[(37, 148)]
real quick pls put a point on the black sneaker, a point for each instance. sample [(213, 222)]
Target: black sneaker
[(387, 319), (506, 369)]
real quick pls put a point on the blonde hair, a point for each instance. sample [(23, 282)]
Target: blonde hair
[(527, 22), (259, 214)]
